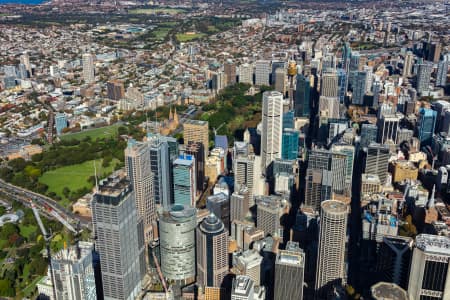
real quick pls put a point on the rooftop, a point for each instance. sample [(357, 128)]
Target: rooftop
[(433, 243), (388, 291), (334, 206)]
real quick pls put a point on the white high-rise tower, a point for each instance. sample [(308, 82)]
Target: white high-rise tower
[(88, 68)]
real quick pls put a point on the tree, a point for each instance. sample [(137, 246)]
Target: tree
[(7, 288), (66, 192)]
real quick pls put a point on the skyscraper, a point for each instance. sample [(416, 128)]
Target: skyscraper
[(270, 210), (408, 64), (184, 183), (289, 271), (349, 152), (280, 80), (25, 60), (330, 85), (196, 149), (115, 89), (359, 83), (243, 288), (368, 134), (197, 131), (243, 169), (289, 148), (388, 126), (88, 68), (229, 69), (429, 277), (302, 97), (330, 269), (342, 84), (423, 77), (272, 124), (441, 76), (329, 107), (239, 204), (212, 252), (246, 73), (219, 204), (137, 165), (120, 238), (177, 240), (73, 273), (377, 160), (60, 122), (425, 125), (262, 72)]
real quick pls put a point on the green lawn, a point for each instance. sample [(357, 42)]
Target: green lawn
[(26, 231), (182, 37), (74, 177), (152, 11), (102, 132)]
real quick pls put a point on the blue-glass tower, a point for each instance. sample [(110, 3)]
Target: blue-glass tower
[(302, 97), (184, 180), (60, 122), (289, 148), (425, 126)]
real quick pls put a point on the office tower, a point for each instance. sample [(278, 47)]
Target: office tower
[(342, 84), (115, 89), (173, 146), (270, 210), (354, 61), (349, 152), (433, 51), (429, 277), (120, 238), (262, 72), (369, 134), (408, 64), (394, 259), (289, 119), (329, 107), (177, 243), (244, 167), (218, 81), (246, 73), (289, 148), (239, 204), (73, 273), (423, 77), (22, 71), (249, 263), (376, 90), (277, 65), (242, 288), (330, 271), (280, 80), (137, 165), (229, 69), (197, 150), (88, 68), (289, 271), (25, 60), (377, 160), (219, 204), (388, 126), (184, 183), (197, 131), (425, 125), (330, 85), (302, 97), (369, 78), (386, 290), (441, 76), (160, 166), (325, 175), (359, 83), (212, 252), (60, 122), (272, 128)]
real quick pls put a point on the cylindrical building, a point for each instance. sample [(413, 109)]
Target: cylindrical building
[(177, 243), (212, 252), (331, 261)]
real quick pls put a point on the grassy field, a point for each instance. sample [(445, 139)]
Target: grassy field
[(74, 177), (152, 11), (182, 37), (94, 133)]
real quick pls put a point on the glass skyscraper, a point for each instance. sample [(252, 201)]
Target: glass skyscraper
[(184, 180), (302, 97), (425, 124), (289, 148)]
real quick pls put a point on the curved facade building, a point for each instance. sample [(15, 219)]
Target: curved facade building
[(177, 243), (212, 252), (331, 261)]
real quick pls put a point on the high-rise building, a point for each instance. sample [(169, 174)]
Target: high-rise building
[(119, 238), (325, 175), (219, 204), (388, 126), (429, 277), (196, 149), (239, 204), (302, 97), (184, 183), (349, 152), (342, 84), (369, 134), (177, 243), (377, 160), (22, 71), (212, 252), (280, 80), (289, 148), (441, 76), (329, 107), (359, 83), (330, 85), (88, 68), (25, 60), (394, 259), (433, 51), (218, 81), (272, 128), (246, 73), (229, 69), (60, 122), (262, 72), (289, 271), (73, 273), (425, 125), (160, 166), (270, 210), (330, 271), (197, 131), (423, 77), (243, 288), (137, 165), (408, 64), (115, 89), (249, 263)]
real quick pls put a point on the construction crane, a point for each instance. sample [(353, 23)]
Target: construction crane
[(47, 238), (217, 129)]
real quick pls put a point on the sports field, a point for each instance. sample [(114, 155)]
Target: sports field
[(102, 132)]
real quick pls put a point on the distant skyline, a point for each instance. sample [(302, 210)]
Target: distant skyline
[(27, 2)]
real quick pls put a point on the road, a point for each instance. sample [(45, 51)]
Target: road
[(23, 195)]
